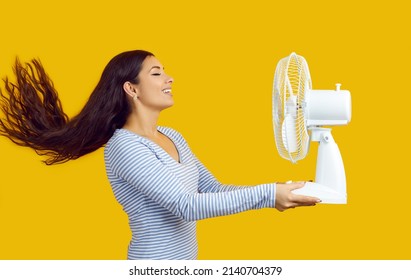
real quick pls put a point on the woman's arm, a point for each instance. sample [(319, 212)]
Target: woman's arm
[(139, 166)]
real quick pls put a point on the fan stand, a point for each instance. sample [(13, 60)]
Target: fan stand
[(330, 183)]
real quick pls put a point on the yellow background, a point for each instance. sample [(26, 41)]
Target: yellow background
[(222, 55)]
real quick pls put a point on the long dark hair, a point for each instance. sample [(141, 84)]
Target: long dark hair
[(34, 115)]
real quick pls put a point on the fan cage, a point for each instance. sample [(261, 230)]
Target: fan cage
[(292, 77)]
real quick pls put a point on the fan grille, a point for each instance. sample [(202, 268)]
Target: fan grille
[(292, 78)]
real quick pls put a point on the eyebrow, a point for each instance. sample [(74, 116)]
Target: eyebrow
[(158, 67)]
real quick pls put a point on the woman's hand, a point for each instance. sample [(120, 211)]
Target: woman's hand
[(285, 199)]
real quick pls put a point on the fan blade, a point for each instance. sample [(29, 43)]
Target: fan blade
[(291, 105), (289, 134)]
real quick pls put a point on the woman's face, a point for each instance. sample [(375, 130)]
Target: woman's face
[(154, 87)]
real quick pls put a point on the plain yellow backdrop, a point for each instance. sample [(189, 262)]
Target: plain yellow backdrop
[(222, 55)]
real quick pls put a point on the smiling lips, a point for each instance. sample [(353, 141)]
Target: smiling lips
[(167, 91)]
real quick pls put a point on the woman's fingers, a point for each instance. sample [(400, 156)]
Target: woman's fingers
[(302, 199), (305, 200), (286, 199)]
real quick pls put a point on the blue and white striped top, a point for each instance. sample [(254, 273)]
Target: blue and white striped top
[(163, 198)]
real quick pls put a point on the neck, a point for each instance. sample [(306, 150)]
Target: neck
[(143, 122)]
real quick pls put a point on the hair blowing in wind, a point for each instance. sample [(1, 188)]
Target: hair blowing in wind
[(33, 115)]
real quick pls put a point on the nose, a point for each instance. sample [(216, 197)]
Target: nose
[(170, 80)]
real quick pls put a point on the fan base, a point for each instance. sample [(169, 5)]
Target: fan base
[(326, 194)]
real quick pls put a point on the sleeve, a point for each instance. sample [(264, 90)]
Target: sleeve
[(138, 165)]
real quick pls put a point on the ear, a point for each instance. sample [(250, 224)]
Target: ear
[(130, 89)]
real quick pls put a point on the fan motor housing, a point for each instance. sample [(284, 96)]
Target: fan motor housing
[(328, 107)]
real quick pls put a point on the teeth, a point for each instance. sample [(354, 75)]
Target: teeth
[(167, 90)]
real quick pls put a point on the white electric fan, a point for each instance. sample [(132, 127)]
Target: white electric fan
[(299, 114)]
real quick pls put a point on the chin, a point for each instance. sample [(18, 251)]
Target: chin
[(165, 106)]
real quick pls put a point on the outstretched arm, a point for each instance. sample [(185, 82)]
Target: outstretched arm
[(284, 199), (138, 165)]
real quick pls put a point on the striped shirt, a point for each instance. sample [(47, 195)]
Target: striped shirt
[(164, 198)]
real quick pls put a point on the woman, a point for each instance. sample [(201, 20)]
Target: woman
[(159, 182)]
